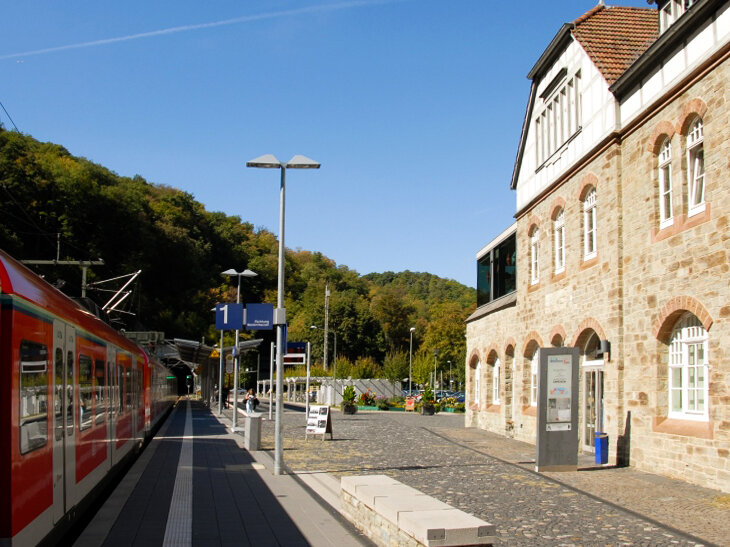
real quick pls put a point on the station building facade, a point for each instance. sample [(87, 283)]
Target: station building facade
[(621, 242)]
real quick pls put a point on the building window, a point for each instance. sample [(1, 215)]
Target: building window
[(671, 11), (495, 382), (496, 271), (477, 382), (559, 237), (589, 225), (688, 366), (534, 367), (559, 120), (696, 168), (665, 184), (535, 256)]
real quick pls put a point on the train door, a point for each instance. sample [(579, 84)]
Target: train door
[(64, 346), (111, 387)]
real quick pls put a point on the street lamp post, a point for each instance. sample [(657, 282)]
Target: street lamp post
[(450, 380), (435, 355), (410, 363), (269, 161), (236, 351)]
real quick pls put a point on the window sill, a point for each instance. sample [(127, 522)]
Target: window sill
[(532, 287), (686, 428), (529, 410), (494, 408), (558, 276), (588, 262), (681, 223)]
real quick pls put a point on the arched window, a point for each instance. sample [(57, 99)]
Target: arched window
[(696, 168), (534, 367), (496, 373), (665, 184), (534, 256), (688, 363), (589, 225), (559, 238), (477, 382)]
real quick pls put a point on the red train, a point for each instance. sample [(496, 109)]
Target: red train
[(76, 399)]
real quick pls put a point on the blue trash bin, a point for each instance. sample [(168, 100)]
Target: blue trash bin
[(601, 447)]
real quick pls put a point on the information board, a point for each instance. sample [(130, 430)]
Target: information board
[(319, 421), (557, 409)]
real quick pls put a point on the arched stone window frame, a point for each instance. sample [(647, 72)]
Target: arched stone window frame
[(558, 218), (688, 370), (534, 245)]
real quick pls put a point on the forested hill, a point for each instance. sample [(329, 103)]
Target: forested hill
[(52, 200)]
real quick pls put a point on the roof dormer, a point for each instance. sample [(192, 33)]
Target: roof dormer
[(670, 11)]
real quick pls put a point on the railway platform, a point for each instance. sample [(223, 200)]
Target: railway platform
[(195, 484)]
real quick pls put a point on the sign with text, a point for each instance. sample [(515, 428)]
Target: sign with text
[(259, 316), (228, 316), (319, 421)]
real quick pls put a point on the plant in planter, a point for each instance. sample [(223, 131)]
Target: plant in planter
[(348, 405), (427, 402)]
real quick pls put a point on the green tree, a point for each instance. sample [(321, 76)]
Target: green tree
[(395, 366)]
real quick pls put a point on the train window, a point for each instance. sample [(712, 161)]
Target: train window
[(33, 396), (86, 395), (99, 391), (58, 394)]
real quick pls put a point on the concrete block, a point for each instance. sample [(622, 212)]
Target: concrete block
[(391, 507), (438, 528), (367, 494), (252, 433), (350, 483)]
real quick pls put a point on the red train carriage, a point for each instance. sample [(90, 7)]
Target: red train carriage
[(76, 398)]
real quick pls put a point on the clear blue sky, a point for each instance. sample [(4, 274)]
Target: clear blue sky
[(413, 107)]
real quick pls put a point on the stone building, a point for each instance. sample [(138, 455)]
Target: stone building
[(621, 243)]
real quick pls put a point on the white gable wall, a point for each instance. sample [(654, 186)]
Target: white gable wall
[(598, 119)]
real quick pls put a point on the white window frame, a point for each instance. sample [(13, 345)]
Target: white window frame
[(534, 367), (535, 257), (477, 381), (696, 168), (495, 382), (559, 240), (559, 119), (664, 166), (590, 229), (688, 370)]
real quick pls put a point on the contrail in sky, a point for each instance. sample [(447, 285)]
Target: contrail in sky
[(186, 28)]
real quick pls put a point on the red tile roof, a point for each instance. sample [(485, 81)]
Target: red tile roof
[(614, 37)]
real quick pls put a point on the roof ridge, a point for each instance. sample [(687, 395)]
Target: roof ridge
[(590, 13)]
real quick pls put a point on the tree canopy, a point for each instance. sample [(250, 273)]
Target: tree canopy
[(55, 203)]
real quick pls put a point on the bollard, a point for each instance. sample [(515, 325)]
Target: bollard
[(252, 434)]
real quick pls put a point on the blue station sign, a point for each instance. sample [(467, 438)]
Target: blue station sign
[(228, 316), (259, 316)]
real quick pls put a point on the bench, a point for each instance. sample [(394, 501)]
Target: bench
[(392, 513)]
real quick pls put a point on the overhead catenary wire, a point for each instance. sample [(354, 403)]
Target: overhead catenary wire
[(8, 115)]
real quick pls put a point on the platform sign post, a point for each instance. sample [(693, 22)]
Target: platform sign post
[(557, 416)]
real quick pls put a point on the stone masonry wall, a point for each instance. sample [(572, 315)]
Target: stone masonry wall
[(685, 267), (642, 280)]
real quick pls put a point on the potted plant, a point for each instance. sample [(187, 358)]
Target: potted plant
[(348, 400), (427, 402)]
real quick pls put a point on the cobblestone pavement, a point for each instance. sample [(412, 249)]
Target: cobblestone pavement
[(493, 478)]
